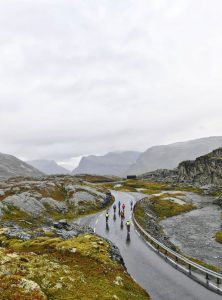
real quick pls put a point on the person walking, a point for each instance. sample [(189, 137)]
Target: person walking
[(107, 217), (131, 204), (128, 225), (119, 204)]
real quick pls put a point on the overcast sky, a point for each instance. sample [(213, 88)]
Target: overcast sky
[(82, 77)]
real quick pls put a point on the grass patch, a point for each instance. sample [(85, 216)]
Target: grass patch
[(150, 187), (97, 179), (161, 208), (204, 264), (167, 208), (218, 237)]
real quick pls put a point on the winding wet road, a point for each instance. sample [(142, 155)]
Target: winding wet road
[(160, 279)]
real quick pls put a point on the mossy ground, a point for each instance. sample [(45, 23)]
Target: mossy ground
[(79, 268), (167, 208), (218, 237), (97, 178), (204, 264), (162, 208), (148, 187)]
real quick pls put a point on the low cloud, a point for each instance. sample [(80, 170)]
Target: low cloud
[(88, 77)]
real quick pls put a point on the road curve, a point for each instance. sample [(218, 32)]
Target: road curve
[(160, 279)]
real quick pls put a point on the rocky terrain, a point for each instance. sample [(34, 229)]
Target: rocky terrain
[(169, 156), (44, 254), (113, 163), (185, 222), (10, 166), (49, 167), (194, 232), (30, 201), (205, 172)]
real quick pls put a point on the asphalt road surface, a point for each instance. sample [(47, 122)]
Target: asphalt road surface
[(160, 279)]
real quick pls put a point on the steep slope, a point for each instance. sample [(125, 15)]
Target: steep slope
[(11, 166), (169, 156), (49, 167), (205, 170), (113, 163)]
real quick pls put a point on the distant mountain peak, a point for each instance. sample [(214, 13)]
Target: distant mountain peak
[(112, 163), (169, 156), (49, 167), (11, 166)]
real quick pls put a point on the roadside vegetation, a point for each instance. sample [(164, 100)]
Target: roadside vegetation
[(204, 264), (97, 178), (219, 237), (147, 187), (161, 207), (53, 268)]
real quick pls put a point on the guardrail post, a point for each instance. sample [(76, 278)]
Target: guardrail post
[(207, 278), (189, 269), (218, 281), (158, 248), (176, 259), (166, 254)]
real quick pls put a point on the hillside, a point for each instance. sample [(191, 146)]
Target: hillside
[(169, 156), (49, 167), (113, 163), (10, 166), (45, 255), (205, 170)]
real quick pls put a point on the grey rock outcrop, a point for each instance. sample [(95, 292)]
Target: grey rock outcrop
[(169, 156), (48, 197), (205, 171)]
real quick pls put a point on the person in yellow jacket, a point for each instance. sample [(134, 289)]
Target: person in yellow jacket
[(128, 226), (107, 216)]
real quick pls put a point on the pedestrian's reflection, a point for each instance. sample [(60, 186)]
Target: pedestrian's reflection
[(128, 238), (114, 217), (121, 224), (107, 227)]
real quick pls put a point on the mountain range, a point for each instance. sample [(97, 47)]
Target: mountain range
[(113, 163), (49, 167), (116, 163), (169, 156), (11, 166)]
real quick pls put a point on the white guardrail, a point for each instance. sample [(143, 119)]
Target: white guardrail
[(205, 276)]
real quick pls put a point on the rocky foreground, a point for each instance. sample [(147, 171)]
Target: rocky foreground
[(45, 255)]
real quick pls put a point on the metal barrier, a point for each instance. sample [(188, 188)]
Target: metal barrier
[(205, 276)]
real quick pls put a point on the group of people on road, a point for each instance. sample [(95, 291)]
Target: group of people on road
[(121, 214)]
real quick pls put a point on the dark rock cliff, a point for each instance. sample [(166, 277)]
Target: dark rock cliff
[(205, 170)]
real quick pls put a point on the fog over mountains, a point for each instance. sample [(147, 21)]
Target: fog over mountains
[(11, 166), (113, 163), (49, 167), (169, 156), (116, 163)]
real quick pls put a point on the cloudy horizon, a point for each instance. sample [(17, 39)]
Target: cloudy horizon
[(90, 77)]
